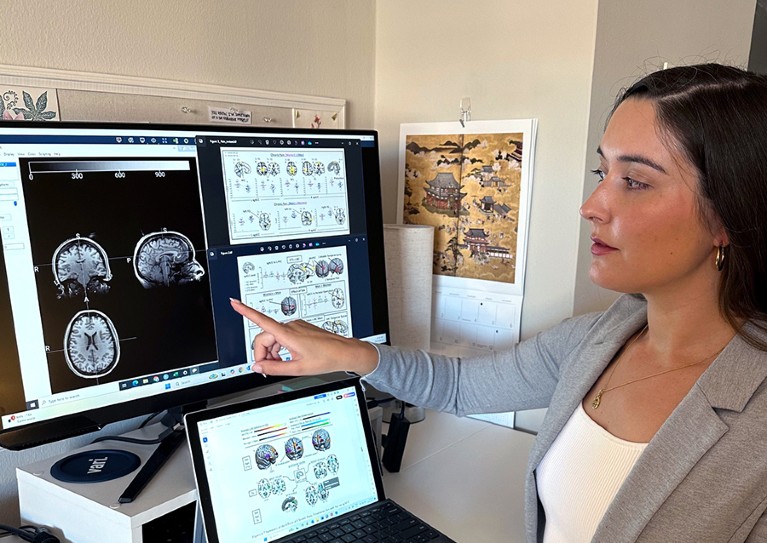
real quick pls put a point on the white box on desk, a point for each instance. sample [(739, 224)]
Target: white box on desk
[(90, 513)]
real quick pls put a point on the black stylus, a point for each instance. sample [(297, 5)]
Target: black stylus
[(160, 455)]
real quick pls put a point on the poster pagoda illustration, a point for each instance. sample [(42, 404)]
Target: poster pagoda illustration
[(467, 186)]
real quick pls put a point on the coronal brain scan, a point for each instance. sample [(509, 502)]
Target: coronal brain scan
[(336, 265), (266, 455), (321, 440), (288, 306), (91, 344), (294, 448), (321, 268), (164, 259), (80, 268)]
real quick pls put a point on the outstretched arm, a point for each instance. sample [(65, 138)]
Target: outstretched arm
[(312, 349)]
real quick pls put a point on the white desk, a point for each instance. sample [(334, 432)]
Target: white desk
[(464, 477)]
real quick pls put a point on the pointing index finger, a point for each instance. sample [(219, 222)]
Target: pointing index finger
[(265, 322)]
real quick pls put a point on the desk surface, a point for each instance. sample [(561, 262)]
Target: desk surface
[(465, 477)]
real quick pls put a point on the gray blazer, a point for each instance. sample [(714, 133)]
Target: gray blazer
[(703, 476)]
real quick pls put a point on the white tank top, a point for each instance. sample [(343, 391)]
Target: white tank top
[(579, 477)]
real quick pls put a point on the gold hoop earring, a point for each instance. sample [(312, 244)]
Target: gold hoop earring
[(719, 262)]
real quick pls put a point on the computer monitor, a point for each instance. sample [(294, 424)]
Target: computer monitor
[(123, 244)]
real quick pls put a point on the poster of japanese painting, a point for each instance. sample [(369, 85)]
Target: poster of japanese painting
[(473, 185)]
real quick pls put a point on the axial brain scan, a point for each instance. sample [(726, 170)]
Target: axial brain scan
[(91, 345), (164, 259), (80, 268)]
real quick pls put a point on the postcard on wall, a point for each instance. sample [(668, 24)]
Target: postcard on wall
[(306, 118), (473, 185), (28, 104)]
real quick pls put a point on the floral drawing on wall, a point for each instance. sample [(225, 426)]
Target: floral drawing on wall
[(17, 104)]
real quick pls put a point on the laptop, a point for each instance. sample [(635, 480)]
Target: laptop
[(300, 466)]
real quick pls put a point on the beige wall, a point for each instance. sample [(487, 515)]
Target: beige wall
[(634, 38), (318, 48), (515, 59)]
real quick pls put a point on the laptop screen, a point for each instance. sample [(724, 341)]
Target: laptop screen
[(270, 467)]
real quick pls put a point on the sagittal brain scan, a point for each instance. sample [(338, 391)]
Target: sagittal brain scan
[(290, 504), (91, 344), (164, 259), (80, 268), (266, 455), (241, 169)]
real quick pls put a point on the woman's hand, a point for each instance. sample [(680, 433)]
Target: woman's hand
[(312, 349)]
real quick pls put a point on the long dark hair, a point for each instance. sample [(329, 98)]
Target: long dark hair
[(717, 116)]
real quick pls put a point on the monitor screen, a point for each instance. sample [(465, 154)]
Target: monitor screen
[(123, 243)]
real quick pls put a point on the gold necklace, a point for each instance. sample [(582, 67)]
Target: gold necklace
[(596, 402)]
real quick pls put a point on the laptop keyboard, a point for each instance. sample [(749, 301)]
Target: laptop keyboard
[(382, 523)]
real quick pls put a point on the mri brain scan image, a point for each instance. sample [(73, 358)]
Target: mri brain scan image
[(288, 306), (312, 495), (266, 455), (294, 448), (322, 269), (333, 463), (164, 259), (264, 488), (91, 344), (336, 266), (80, 268), (290, 504), (321, 440)]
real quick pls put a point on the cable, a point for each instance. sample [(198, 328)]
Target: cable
[(138, 441), (29, 533), (149, 418)]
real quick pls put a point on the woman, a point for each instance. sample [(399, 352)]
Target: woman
[(656, 428)]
